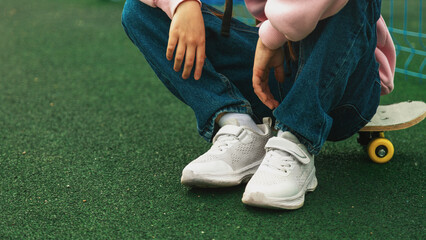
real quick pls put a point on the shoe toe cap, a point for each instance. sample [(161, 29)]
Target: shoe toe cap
[(212, 167), (281, 190)]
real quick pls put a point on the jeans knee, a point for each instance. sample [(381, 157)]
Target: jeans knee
[(129, 13), (134, 12), (143, 23)]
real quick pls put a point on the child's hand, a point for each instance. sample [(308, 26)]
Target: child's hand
[(264, 60), (187, 37)]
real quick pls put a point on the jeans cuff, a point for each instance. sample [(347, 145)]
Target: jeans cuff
[(311, 148), (211, 128)]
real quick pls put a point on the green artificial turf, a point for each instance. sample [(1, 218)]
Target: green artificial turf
[(92, 147)]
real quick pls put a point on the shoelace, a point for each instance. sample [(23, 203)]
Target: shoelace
[(224, 142), (279, 160)]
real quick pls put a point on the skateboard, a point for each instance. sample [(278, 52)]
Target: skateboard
[(389, 118)]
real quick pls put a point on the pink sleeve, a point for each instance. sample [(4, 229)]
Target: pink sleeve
[(270, 36), (385, 56), (256, 8), (294, 20), (168, 6)]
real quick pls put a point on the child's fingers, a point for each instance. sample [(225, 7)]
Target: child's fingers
[(189, 61), (201, 55), (180, 53), (261, 91), (171, 45), (267, 98), (279, 73), (269, 101), (261, 88)]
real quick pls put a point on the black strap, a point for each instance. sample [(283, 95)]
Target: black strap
[(226, 20)]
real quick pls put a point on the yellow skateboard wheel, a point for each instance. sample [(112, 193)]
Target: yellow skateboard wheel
[(380, 150)]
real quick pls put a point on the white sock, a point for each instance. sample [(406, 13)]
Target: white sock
[(240, 119)]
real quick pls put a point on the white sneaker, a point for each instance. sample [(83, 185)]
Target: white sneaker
[(234, 157), (284, 176)]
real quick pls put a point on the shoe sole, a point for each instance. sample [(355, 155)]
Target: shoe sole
[(258, 199), (191, 179)]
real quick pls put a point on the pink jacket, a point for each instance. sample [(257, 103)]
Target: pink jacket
[(284, 20)]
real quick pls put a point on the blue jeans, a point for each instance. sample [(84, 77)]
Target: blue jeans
[(330, 91)]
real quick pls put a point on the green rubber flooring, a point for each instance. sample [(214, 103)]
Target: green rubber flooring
[(92, 146)]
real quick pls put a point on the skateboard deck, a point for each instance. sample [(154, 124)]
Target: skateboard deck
[(389, 118), (396, 116)]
